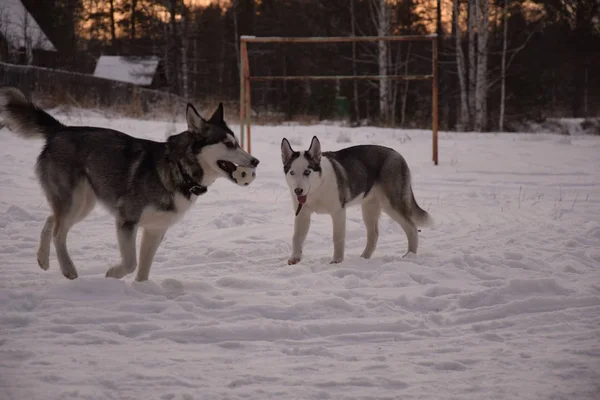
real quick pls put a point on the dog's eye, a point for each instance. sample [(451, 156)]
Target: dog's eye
[(307, 172), (292, 173), (229, 145)]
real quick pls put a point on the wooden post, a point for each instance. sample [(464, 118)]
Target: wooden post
[(434, 99), (242, 88), (248, 110)]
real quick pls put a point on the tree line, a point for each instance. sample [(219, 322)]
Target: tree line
[(500, 61)]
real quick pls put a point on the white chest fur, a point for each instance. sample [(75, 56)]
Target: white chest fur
[(325, 198), (159, 219)]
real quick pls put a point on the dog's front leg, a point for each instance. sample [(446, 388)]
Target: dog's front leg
[(301, 226), (151, 239), (339, 235), (126, 232)]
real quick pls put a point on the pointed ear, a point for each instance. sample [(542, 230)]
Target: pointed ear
[(217, 115), (194, 120), (286, 151), (314, 151)]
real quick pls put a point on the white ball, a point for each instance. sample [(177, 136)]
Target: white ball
[(244, 175)]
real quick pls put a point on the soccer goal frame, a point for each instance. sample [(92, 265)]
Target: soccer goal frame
[(246, 78)]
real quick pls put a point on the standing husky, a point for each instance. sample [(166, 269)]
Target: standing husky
[(374, 176), (143, 183)]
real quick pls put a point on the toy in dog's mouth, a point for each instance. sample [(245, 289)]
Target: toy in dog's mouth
[(243, 176)]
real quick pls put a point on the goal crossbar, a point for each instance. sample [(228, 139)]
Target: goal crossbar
[(246, 77), (335, 39), (338, 77)]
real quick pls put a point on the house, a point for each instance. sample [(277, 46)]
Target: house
[(22, 41), (142, 71)]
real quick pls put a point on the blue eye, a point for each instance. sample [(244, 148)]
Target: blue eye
[(292, 173), (307, 172)]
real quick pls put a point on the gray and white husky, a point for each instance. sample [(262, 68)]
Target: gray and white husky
[(143, 183), (373, 176)]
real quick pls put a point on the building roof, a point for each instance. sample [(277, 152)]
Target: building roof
[(17, 26), (136, 70)]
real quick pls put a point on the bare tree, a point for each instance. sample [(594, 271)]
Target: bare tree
[(113, 31), (405, 92), (133, 19), (381, 20), (236, 35), (354, 82), (171, 53), (471, 20), (503, 66), (461, 71), (481, 87), (184, 50)]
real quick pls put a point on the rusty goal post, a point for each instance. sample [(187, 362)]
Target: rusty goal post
[(246, 78)]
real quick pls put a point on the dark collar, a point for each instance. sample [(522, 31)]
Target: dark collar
[(189, 185)]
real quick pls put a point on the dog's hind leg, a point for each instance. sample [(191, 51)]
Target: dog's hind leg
[(371, 211), (67, 214), (151, 239), (126, 233), (43, 253), (409, 227)]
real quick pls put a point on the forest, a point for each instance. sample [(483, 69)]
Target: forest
[(501, 62)]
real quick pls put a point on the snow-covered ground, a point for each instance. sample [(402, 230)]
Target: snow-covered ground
[(502, 301)]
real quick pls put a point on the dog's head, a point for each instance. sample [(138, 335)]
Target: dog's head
[(214, 144), (302, 169)]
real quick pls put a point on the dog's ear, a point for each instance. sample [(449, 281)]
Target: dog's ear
[(194, 120), (217, 116), (314, 151), (286, 151)]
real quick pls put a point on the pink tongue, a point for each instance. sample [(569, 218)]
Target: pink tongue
[(301, 199)]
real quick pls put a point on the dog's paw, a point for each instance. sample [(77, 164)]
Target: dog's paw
[(116, 272), (336, 260), (43, 262), (294, 260), (70, 274), (409, 254)]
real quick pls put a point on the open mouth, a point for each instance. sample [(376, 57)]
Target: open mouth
[(227, 166), (301, 199)]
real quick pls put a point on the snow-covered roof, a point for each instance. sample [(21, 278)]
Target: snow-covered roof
[(136, 70), (17, 25)]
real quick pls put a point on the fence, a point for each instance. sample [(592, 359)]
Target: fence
[(56, 87)]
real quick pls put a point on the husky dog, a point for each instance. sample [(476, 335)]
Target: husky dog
[(374, 176), (143, 183)]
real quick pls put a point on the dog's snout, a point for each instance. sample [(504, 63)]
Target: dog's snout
[(254, 162), (298, 191)]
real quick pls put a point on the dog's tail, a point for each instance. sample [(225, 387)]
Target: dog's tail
[(23, 117), (419, 216)]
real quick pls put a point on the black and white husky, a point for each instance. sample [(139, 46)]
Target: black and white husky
[(375, 177), (143, 183)]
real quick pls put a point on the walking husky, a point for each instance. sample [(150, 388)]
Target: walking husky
[(374, 176), (143, 183)]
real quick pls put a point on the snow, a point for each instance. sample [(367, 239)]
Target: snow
[(17, 25), (502, 301), (136, 70)]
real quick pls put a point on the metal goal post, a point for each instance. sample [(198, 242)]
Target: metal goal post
[(246, 77)]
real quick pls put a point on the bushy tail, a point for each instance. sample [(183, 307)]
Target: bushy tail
[(419, 216), (23, 117)]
